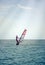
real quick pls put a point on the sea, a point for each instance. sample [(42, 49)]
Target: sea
[(28, 52)]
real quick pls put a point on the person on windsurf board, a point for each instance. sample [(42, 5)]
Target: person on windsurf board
[(18, 40)]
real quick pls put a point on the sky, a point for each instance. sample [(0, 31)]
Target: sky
[(17, 15)]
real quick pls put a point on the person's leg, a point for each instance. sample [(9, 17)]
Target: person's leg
[(17, 43)]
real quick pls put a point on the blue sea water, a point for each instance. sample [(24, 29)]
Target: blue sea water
[(28, 52)]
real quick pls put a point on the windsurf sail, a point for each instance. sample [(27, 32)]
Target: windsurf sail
[(23, 35), (18, 40)]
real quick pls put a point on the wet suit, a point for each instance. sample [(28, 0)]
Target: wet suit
[(17, 40), (17, 43)]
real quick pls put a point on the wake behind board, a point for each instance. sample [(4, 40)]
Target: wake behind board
[(18, 40)]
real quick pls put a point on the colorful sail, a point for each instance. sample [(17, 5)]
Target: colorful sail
[(23, 35)]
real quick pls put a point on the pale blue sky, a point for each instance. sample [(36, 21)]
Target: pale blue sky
[(16, 15)]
